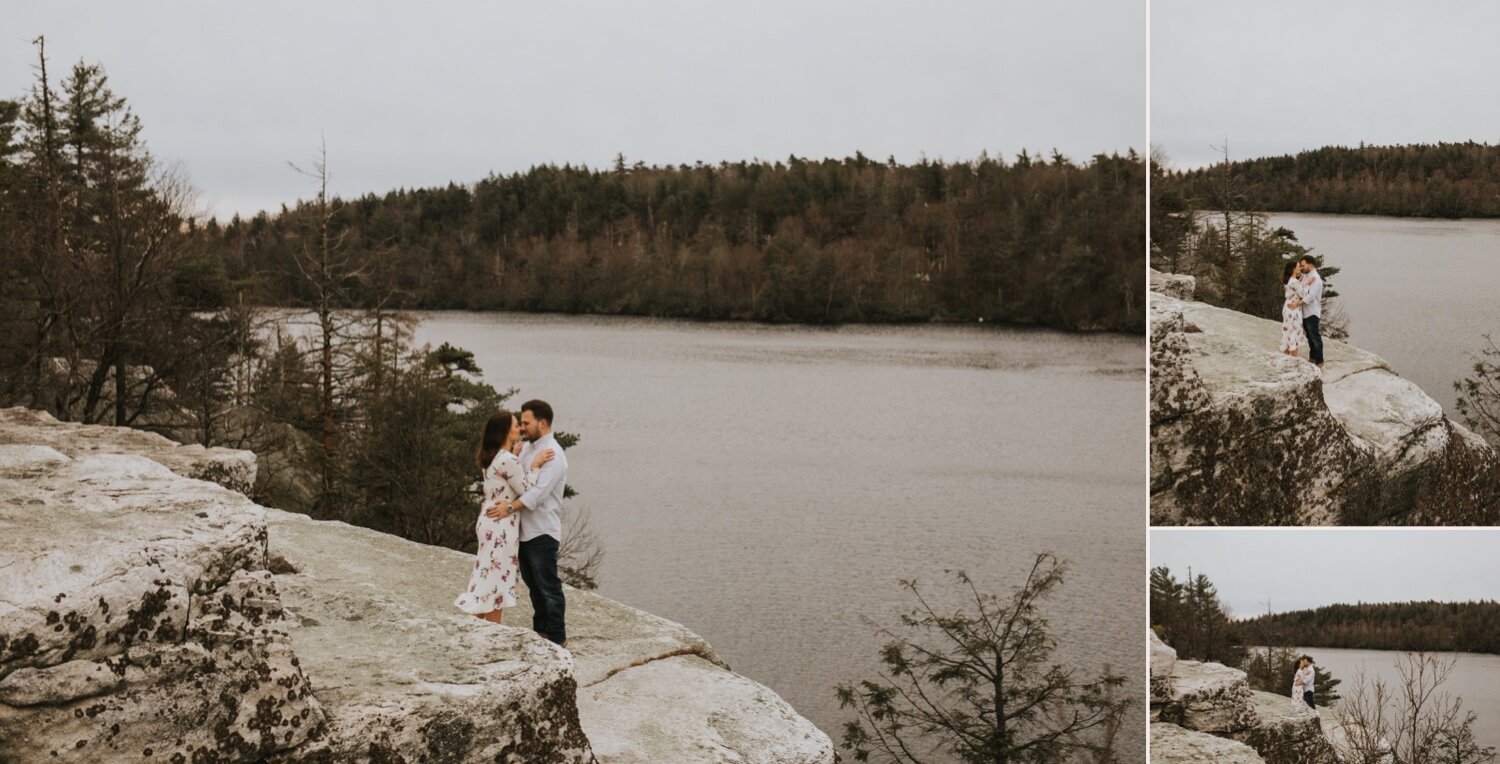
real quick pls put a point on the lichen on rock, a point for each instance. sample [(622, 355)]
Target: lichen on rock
[(140, 622)]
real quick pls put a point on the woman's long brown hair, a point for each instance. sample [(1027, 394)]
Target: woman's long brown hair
[(495, 431)]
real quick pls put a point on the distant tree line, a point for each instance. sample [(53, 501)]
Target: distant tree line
[(1443, 180), (1471, 627), (1032, 241)]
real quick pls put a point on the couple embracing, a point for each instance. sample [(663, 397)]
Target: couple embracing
[(1303, 690), (520, 523), (1302, 309)]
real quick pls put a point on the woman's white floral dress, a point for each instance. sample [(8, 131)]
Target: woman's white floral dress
[(492, 585), (1291, 318)]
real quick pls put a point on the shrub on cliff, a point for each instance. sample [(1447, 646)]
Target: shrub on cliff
[(979, 684), (1478, 399)]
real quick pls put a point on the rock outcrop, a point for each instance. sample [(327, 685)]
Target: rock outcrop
[(1287, 732), (232, 469), (1208, 713), (1208, 697), (137, 618), (154, 614), (1171, 744), (1243, 435)]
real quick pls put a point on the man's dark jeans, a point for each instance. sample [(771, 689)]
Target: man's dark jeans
[(1307, 696), (539, 571), (1314, 339)]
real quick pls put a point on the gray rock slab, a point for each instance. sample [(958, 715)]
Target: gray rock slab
[(401, 673), (136, 619), (684, 708), (1209, 697), (230, 468), (1171, 744)]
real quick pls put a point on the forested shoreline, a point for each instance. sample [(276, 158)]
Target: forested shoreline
[(1191, 617), (1470, 627), (1042, 242), (1443, 180)]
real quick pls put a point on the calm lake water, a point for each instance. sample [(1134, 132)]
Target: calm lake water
[(768, 486), (1419, 293), (1475, 678)]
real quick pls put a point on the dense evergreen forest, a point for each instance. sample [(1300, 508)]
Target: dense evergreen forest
[(1033, 241), (1472, 627), (1445, 180)]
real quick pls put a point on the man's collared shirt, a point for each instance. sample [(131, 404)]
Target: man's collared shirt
[(1312, 303), (542, 515)]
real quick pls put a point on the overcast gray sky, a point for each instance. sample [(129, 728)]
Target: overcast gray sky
[(1279, 76), (418, 94), (1299, 568)]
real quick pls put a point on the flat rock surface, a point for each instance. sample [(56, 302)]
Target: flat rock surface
[(1171, 744), (1173, 284), (1281, 709), (656, 712), (149, 595), (402, 672), (374, 621), (230, 468), (88, 540)]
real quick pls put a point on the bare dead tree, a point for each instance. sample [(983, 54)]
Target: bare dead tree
[(1413, 721), (48, 247), (1226, 200), (580, 554), (1363, 720), (330, 272)]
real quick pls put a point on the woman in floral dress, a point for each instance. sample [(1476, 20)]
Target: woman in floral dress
[(1291, 309), (492, 585)]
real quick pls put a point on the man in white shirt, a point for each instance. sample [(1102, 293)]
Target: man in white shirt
[(541, 523), (1312, 311)]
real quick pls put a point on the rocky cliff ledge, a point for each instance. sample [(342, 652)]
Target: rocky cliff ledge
[(1206, 712), (146, 614), (1242, 435)]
